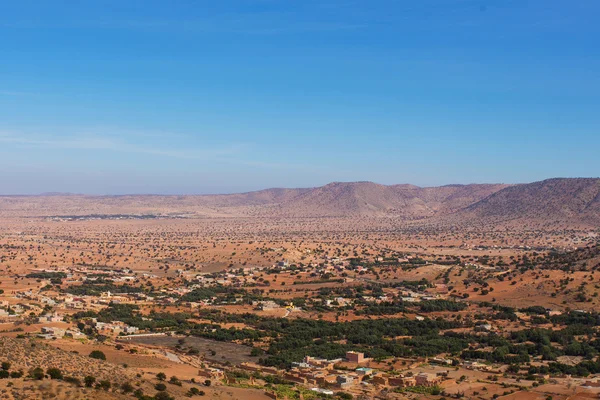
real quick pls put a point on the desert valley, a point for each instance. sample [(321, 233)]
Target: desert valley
[(350, 290)]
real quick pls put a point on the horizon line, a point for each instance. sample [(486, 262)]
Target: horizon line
[(70, 194)]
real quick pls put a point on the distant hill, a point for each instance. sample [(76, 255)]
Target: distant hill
[(558, 199), (372, 199), (553, 200), (261, 197)]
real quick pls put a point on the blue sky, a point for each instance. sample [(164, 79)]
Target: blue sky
[(111, 97)]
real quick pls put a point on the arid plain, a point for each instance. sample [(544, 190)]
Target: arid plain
[(351, 290)]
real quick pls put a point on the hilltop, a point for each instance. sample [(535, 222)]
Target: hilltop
[(553, 200), (559, 199), (371, 199)]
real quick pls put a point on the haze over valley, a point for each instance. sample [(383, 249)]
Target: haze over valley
[(299, 200)]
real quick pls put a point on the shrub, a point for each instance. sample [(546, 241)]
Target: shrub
[(98, 355), (161, 387), (193, 391), (16, 374), (4, 374), (255, 352), (161, 376), (163, 396), (127, 387), (54, 373), (6, 365), (89, 381), (37, 373), (103, 385), (73, 380)]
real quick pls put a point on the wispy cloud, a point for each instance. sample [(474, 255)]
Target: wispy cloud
[(113, 144), (99, 140)]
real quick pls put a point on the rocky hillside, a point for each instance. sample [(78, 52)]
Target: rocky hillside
[(372, 199), (559, 199), (27, 354)]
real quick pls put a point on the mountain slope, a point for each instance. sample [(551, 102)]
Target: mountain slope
[(558, 199), (561, 199), (371, 199)]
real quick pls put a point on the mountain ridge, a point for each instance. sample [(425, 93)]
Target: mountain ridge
[(550, 199), (555, 199)]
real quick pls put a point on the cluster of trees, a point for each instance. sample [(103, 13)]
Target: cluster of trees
[(398, 306), (383, 308), (224, 295), (54, 277), (46, 275), (215, 332), (96, 288), (441, 305), (5, 372), (520, 347), (206, 293), (294, 339), (584, 368), (129, 314), (414, 285), (576, 259), (222, 317)]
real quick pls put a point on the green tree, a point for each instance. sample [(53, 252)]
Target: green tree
[(163, 396), (16, 374), (54, 373), (73, 380), (127, 387), (161, 387), (194, 391), (37, 373), (97, 354), (89, 381)]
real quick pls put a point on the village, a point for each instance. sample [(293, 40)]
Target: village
[(55, 305)]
